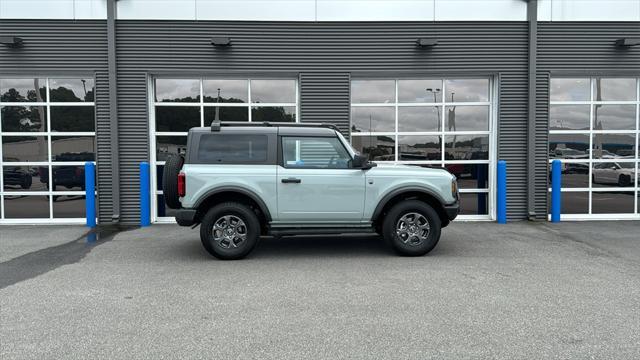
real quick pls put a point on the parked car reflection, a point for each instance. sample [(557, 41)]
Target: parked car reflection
[(618, 173), (17, 176)]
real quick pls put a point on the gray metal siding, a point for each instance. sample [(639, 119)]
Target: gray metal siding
[(55, 47), (324, 97), (313, 50), (576, 48)]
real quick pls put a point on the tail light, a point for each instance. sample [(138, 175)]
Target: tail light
[(182, 184), (79, 171)]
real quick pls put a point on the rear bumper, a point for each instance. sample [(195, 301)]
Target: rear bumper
[(186, 217), (452, 210)]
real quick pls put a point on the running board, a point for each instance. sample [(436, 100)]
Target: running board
[(320, 230)]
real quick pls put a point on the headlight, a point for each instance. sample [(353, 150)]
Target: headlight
[(454, 189)]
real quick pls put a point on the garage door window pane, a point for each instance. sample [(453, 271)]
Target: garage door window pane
[(569, 146), (467, 90), (71, 90), (273, 91), (612, 202), (419, 118), (274, 114), (569, 117), (373, 91), (177, 118), (614, 117), (22, 178), (420, 147), (381, 148), (419, 91), (370, 119), (24, 118), (470, 176), (226, 91), (575, 202), (613, 146), (24, 148), (177, 90), (467, 118), (73, 148), (221, 113), (575, 175), (69, 206), (169, 145), (72, 118), (466, 147), (26, 207), (474, 204), (21, 90), (68, 178), (613, 173), (615, 89), (570, 89)]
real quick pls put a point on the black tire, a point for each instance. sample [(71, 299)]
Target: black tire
[(418, 247), (26, 184), (172, 167), (224, 250), (624, 180)]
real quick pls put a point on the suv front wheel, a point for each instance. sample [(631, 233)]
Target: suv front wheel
[(412, 228), (229, 231)]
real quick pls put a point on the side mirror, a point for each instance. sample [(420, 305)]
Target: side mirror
[(362, 162)]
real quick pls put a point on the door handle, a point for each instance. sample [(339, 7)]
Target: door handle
[(291, 181)]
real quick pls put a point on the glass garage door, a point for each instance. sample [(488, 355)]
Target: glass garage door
[(431, 122), (180, 104), (593, 130), (47, 133)]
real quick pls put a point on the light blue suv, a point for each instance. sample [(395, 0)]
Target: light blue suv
[(243, 180)]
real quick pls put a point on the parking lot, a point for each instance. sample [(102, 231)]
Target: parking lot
[(521, 290)]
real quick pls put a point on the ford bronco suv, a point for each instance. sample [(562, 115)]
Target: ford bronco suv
[(243, 180)]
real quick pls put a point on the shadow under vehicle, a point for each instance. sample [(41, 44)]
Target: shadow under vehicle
[(67, 176)]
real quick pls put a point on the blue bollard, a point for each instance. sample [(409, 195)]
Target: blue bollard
[(145, 205), (502, 192), (556, 194), (90, 193)]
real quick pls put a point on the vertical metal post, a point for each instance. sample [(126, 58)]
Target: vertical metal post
[(532, 17), (556, 194), (113, 107), (90, 193), (145, 206), (502, 192)]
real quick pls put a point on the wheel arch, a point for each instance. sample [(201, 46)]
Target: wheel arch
[(407, 193), (234, 194)]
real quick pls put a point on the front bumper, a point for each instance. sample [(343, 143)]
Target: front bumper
[(452, 210), (186, 217)]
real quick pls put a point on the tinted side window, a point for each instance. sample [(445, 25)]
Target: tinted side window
[(232, 149)]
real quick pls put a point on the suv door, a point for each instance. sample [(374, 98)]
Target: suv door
[(316, 182)]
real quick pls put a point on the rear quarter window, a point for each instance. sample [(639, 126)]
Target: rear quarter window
[(232, 149)]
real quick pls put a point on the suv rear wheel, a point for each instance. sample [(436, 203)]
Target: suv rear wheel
[(412, 228), (229, 231)]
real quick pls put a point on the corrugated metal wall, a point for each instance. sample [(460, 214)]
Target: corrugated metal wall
[(314, 50), (576, 48), (54, 47)]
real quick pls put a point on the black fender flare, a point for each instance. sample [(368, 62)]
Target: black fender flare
[(252, 195), (393, 193)]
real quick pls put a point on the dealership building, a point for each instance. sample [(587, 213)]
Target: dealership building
[(458, 84)]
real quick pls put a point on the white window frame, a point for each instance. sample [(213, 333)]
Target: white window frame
[(49, 163), (201, 104), (443, 104), (591, 161)]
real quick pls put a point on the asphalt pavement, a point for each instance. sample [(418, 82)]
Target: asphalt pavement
[(521, 290)]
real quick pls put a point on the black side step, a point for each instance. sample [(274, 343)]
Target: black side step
[(320, 231)]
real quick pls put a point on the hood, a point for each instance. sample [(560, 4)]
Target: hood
[(407, 170)]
